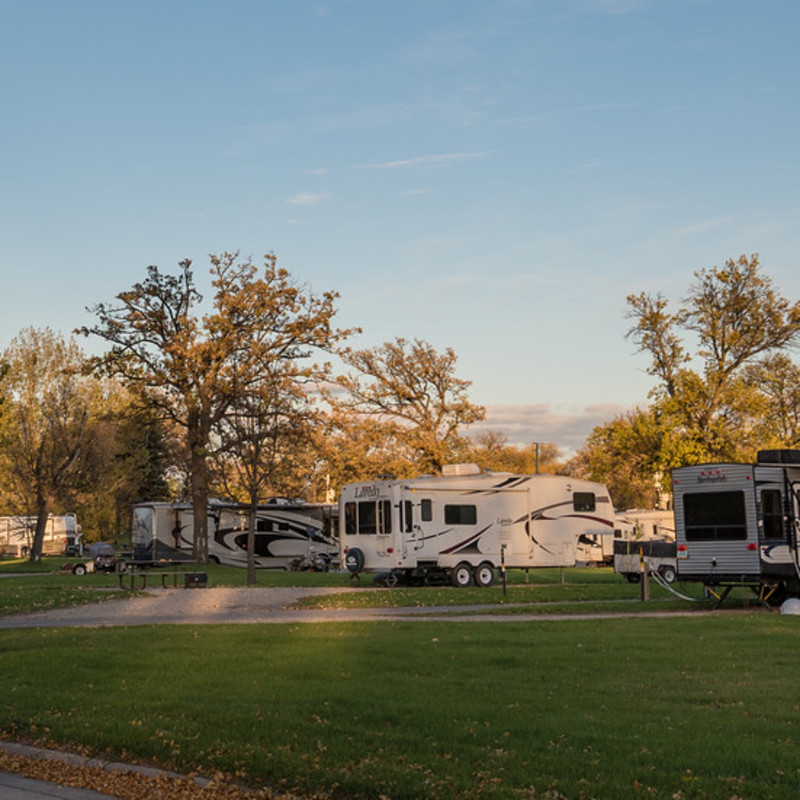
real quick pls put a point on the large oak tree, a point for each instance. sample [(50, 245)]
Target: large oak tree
[(193, 367)]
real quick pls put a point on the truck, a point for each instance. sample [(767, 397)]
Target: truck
[(287, 533), (63, 536), (465, 524), (737, 525)]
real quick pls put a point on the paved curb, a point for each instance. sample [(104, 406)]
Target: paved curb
[(41, 754)]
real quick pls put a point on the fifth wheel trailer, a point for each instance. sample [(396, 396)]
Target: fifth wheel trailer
[(285, 532), (737, 524), (465, 524)]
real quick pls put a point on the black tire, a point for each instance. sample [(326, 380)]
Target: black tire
[(354, 560), (483, 574), (79, 569), (633, 577), (668, 573), (461, 575)]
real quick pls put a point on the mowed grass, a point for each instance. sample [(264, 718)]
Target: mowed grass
[(697, 707), (683, 707)]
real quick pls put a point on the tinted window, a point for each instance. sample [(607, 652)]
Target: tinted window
[(426, 510), (368, 517), (460, 515), (772, 513), (584, 501), (714, 516)]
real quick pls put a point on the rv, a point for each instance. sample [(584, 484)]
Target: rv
[(286, 532), (62, 536), (645, 539), (465, 524), (737, 524)]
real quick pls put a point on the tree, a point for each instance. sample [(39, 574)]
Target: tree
[(192, 368), (738, 318), (625, 454), (491, 450), (49, 421), (258, 439), (412, 392)]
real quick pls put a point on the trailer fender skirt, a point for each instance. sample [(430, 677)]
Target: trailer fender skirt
[(354, 560)]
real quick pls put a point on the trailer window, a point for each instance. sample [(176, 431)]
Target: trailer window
[(350, 518), (407, 516), (584, 501), (368, 517), (772, 513), (714, 516), (269, 525), (460, 515), (426, 510)]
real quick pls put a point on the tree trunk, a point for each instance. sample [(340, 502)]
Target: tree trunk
[(199, 482), (251, 542), (43, 513)]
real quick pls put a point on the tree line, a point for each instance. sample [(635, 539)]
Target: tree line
[(257, 393)]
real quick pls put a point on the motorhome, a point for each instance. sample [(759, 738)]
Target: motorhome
[(285, 532), (737, 524), (62, 536), (465, 524)]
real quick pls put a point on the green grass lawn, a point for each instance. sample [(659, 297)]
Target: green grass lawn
[(683, 707), (698, 707)]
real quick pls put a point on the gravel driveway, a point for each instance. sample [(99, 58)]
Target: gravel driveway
[(226, 605)]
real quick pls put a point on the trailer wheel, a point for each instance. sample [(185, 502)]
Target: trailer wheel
[(461, 575), (668, 574), (79, 569), (483, 574), (633, 577)]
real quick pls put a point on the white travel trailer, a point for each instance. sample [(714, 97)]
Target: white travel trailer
[(737, 524), (465, 524), (285, 532), (62, 536)]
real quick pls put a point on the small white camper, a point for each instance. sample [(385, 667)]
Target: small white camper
[(465, 524), (285, 531), (645, 539)]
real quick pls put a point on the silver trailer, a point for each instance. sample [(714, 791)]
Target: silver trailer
[(737, 524)]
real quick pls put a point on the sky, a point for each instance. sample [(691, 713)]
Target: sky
[(493, 176)]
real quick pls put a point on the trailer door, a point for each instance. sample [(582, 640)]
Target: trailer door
[(775, 522)]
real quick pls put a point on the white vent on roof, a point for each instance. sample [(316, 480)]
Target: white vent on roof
[(450, 470)]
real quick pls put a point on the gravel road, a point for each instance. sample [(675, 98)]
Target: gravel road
[(225, 605)]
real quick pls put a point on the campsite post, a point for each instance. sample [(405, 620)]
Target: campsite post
[(503, 566)]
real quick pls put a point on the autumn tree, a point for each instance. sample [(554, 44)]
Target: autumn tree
[(491, 450), (411, 391), (737, 319), (49, 422), (192, 368), (625, 454)]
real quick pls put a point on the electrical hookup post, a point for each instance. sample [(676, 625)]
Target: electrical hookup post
[(645, 576), (503, 566)]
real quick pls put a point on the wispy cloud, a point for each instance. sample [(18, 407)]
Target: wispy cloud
[(308, 198), (444, 158)]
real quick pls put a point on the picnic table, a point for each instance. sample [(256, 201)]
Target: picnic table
[(137, 574)]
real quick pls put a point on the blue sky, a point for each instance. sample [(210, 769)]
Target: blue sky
[(492, 176)]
